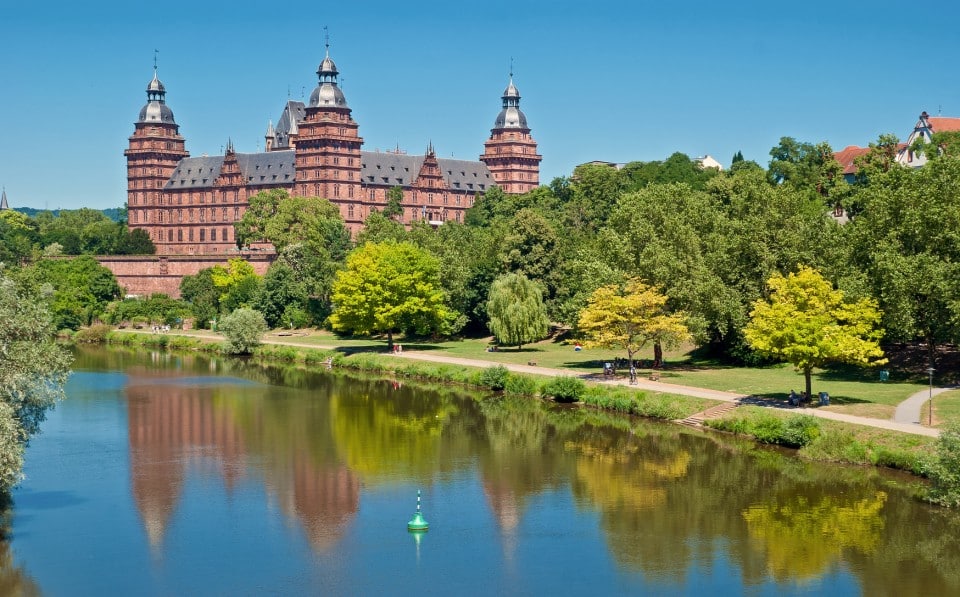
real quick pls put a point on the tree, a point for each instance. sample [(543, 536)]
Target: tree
[(809, 324), (516, 311), (237, 283), (280, 290), (262, 206), (388, 288), (82, 288), (242, 329), (201, 295), (531, 247), (33, 369), (630, 317), (394, 207)]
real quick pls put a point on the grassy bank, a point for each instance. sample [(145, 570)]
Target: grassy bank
[(832, 441), (820, 440)]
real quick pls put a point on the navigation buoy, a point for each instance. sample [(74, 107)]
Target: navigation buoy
[(417, 523)]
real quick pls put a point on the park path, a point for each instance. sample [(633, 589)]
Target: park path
[(908, 411), (643, 384)]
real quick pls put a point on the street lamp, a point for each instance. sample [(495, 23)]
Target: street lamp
[(930, 411)]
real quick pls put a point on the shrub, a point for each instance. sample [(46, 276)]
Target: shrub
[(95, 334), (242, 329), (564, 388), (522, 385), (945, 471), (800, 430), (295, 317), (494, 378)]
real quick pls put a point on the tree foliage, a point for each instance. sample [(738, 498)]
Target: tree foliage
[(33, 369), (809, 324), (389, 288), (243, 330), (516, 310), (630, 317)]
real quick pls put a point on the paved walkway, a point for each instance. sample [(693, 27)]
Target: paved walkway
[(643, 384), (908, 411)]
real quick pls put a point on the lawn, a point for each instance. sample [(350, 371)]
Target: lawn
[(852, 390), (946, 409)]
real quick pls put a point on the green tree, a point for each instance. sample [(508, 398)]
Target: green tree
[(630, 317), (82, 288), (33, 369), (394, 207), (252, 227), (388, 288), (237, 283), (201, 295), (945, 473), (380, 228), (242, 329), (809, 324), (516, 310), (280, 290), (531, 247)]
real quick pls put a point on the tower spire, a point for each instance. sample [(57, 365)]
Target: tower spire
[(3, 199)]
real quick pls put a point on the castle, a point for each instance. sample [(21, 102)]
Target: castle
[(188, 204)]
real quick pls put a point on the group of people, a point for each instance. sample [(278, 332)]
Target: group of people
[(160, 328), (397, 349)]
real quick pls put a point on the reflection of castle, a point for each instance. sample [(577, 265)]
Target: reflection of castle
[(172, 426)]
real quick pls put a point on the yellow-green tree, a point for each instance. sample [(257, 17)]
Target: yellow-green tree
[(630, 317), (388, 288), (809, 324)]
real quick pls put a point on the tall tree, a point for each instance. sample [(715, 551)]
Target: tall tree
[(33, 369), (809, 324), (389, 288), (531, 246), (516, 310), (630, 317), (394, 207)]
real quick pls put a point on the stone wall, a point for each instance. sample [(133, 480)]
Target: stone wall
[(144, 275)]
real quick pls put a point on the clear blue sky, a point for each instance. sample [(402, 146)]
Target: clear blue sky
[(616, 81)]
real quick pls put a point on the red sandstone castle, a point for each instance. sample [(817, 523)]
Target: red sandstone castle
[(188, 204)]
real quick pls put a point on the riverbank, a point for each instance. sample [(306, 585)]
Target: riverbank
[(841, 438)]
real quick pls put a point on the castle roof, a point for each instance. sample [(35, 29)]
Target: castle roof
[(396, 169), (943, 124), (847, 155), (277, 168)]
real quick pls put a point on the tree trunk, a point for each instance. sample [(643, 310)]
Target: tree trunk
[(390, 341), (931, 351), (657, 355), (807, 371)]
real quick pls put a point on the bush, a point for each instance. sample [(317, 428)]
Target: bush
[(95, 334), (522, 385), (564, 388), (800, 430), (494, 378), (242, 329), (945, 471), (295, 317)]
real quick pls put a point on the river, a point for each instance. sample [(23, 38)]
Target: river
[(173, 474)]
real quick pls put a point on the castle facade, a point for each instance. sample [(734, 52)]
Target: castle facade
[(188, 204)]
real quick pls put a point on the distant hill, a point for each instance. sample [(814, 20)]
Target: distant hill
[(113, 213)]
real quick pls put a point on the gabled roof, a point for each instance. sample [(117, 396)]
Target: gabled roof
[(258, 169), (395, 169), (943, 124), (847, 155)]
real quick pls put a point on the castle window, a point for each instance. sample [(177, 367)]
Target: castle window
[(316, 190), (135, 214), (180, 234), (225, 237), (190, 234), (201, 216), (203, 234), (236, 196), (169, 236), (191, 215), (444, 198), (179, 215), (458, 199), (213, 234), (373, 195), (350, 211), (236, 213), (224, 213), (350, 191), (430, 198), (213, 215), (336, 191)]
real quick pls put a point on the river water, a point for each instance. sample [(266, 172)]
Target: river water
[(165, 474)]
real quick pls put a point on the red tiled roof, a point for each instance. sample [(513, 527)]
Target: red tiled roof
[(943, 124), (847, 155)]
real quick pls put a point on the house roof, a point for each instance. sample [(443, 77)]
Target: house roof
[(943, 124), (847, 155)]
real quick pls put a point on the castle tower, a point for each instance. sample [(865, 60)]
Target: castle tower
[(511, 153), (154, 150), (328, 147)]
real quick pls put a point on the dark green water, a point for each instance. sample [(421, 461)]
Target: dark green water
[(190, 475)]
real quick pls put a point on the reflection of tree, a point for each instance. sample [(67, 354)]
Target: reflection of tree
[(13, 579), (803, 537), (391, 438), (520, 454)]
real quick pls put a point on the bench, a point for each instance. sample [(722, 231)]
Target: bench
[(532, 363)]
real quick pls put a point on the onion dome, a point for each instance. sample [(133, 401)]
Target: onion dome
[(510, 116), (156, 109), (327, 92)]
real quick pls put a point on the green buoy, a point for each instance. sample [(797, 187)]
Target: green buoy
[(418, 523)]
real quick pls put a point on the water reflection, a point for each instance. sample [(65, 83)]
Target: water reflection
[(671, 505)]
